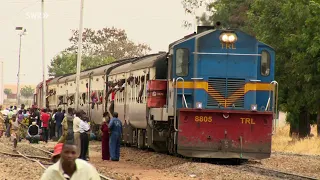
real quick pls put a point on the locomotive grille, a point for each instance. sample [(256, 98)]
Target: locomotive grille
[(226, 92)]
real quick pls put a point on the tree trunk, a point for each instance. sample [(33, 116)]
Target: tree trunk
[(293, 120), (294, 130), (304, 123), (318, 123)]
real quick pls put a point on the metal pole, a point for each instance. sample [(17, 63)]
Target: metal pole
[(79, 56), (18, 75), (44, 85)]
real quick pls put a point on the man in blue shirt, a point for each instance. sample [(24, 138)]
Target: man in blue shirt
[(115, 126)]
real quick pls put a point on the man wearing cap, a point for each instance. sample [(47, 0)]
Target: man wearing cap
[(33, 133), (57, 152)]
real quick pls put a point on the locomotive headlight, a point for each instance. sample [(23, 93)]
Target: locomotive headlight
[(225, 38), (232, 38), (254, 107), (228, 37), (199, 105)]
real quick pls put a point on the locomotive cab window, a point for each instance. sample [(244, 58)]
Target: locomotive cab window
[(265, 63), (182, 62)]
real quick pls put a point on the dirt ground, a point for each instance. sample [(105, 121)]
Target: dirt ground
[(136, 164)]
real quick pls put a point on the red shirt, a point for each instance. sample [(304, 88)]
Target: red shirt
[(45, 119)]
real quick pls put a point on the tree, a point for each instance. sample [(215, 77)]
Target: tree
[(99, 47), (108, 42), (27, 91), (7, 91), (66, 62), (297, 53)]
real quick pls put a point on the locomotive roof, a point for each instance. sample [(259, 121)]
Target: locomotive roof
[(191, 36), (186, 38), (139, 63)]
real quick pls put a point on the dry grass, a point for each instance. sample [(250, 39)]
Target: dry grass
[(282, 142)]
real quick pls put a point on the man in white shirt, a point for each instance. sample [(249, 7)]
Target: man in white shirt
[(76, 132), (70, 168), (84, 137)]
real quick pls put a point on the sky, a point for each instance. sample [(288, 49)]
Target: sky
[(156, 23)]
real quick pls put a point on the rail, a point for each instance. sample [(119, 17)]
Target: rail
[(33, 158), (275, 173)]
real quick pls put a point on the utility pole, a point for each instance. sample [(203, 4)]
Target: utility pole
[(22, 32), (18, 75), (77, 95), (1, 100), (44, 84)]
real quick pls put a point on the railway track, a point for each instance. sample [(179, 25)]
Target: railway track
[(295, 154), (273, 173), (44, 162), (50, 153)]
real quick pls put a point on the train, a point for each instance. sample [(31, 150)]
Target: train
[(212, 95)]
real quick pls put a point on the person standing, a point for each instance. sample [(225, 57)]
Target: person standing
[(76, 131), (45, 124), (105, 137), (84, 129), (59, 118), (14, 131), (64, 130), (115, 126), (69, 167), (53, 124), (70, 117), (8, 120), (2, 124)]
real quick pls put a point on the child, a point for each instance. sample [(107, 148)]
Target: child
[(14, 131)]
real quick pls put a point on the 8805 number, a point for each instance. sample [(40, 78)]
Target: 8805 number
[(203, 119)]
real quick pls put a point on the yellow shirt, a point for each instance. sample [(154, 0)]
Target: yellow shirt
[(85, 171)]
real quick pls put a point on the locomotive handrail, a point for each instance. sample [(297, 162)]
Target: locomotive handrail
[(183, 96), (275, 89), (175, 101)]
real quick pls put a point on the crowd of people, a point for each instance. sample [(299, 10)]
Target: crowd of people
[(71, 130)]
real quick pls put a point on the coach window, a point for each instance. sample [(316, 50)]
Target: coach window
[(265, 63), (182, 61)]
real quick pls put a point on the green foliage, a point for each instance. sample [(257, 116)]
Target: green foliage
[(27, 91), (107, 42), (66, 62), (99, 47), (7, 91)]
